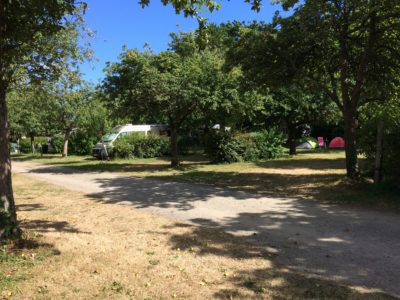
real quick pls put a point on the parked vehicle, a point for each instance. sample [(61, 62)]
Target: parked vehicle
[(101, 149), (14, 148)]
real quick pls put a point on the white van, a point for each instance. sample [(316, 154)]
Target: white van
[(100, 150)]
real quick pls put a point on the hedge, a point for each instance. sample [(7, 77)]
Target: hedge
[(226, 147)]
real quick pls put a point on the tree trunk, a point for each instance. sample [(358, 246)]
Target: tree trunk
[(65, 144), (350, 128), (292, 139), (379, 152), (222, 126), (33, 143), (8, 217), (174, 147)]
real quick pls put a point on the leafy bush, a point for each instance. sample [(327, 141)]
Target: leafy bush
[(369, 117), (41, 140), (57, 143), (82, 142), (140, 146), (269, 143), (25, 144), (122, 148), (151, 146), (225, 147)]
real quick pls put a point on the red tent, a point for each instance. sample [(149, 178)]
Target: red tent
[(337, 143)]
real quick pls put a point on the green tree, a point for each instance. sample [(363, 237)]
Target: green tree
[(163, 87), (234, 101), (348, 49), (28, 111), (68, 100), (297, 107), (352, 47), (26, 29), (93, 122)]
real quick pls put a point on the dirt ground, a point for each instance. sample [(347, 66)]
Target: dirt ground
[(112, 251)]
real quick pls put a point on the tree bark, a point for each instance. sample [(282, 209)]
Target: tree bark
[(65, 144), (292, 139), (174, 147), (350, 128), (33, 143), (379, 152), (8, 217)]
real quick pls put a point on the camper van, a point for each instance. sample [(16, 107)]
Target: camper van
[(100, 150)]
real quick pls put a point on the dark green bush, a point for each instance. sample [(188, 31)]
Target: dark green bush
[(269, 143), (57, 143), (26, 147), (369, 118), (140, 146), (122, 148), (222, 147), (226, 147), (82, 142)]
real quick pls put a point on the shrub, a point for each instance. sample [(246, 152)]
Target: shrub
[(25, 144), (41, 140), (140, 146), (122, 148), (369, 117), (82, 142), (57, 143), (222, 147), (226, 147), (151, 146), (269, 143)]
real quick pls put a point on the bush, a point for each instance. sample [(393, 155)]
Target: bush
[(41, 140), (269, 143), (57, 143), (140, 146), (122, 148), (25, 144), (225, 147), (222, 147), (391, 141), (82, 142)]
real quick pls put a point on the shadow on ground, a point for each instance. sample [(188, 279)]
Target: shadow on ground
[(278, 281), (42, 226), (333, 241), (31, 207)]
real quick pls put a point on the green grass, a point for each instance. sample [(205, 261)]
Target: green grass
[(316, 175)]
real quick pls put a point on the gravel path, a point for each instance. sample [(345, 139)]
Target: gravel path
[(354, 245)]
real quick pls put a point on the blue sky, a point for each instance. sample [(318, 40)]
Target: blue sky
[(124, 22)]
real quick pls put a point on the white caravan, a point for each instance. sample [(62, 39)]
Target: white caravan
[(100, 150)]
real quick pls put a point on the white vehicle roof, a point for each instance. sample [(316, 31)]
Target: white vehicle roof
[(139, 128)]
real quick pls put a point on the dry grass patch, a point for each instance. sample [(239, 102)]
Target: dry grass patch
[(110, 251)]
